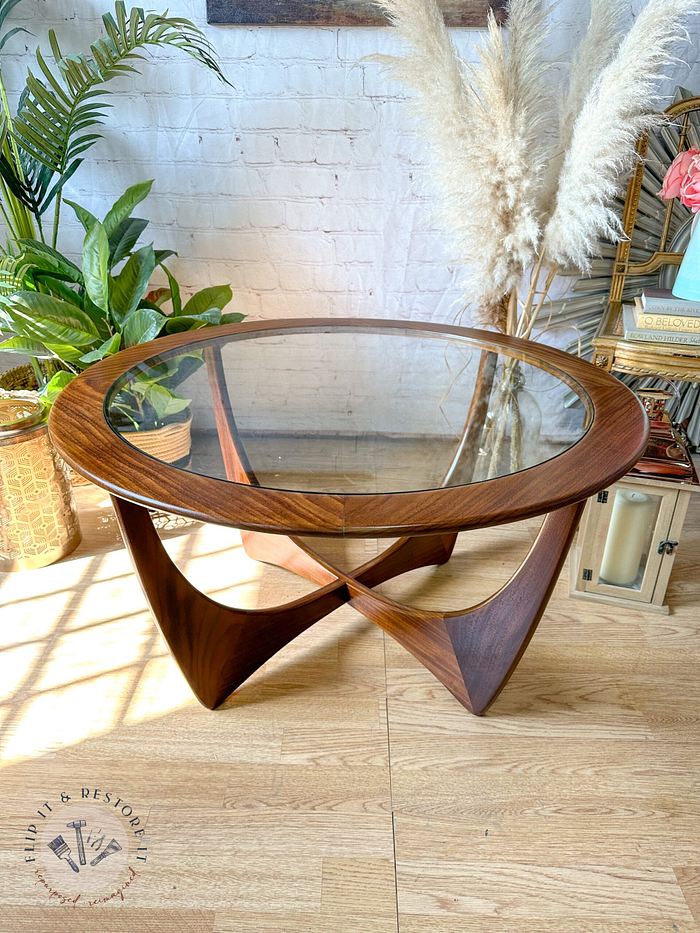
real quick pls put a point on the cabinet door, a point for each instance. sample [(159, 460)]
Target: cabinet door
[(674, 535), (623, 529)]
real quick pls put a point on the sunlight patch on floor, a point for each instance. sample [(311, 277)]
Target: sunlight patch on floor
[(14, 663), (98, 650), (79, 646), (117, 598), (161, 689), (31, 618), (66, 716), (214, 561)]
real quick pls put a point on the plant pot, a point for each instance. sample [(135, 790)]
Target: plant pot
[(19, 378), (170, 443), (22, 378), (39, 523)]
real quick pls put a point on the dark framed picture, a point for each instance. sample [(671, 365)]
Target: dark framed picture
[(339, 12)]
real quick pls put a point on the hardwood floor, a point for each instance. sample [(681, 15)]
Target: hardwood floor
[(342, 788)]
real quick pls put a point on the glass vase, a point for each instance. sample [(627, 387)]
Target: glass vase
[(687, 284)]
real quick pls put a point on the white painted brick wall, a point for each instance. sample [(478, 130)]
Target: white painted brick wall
[(301, 186)]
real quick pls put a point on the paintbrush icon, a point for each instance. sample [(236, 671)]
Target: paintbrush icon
[(60, 849)]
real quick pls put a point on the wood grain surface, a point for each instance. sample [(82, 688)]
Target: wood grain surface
[(614, 441), (341, 12)]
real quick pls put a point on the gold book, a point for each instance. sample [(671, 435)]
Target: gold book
[(659, 320)]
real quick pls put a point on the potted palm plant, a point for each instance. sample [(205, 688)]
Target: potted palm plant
[(69, 316), (62, 107), (42, 145)]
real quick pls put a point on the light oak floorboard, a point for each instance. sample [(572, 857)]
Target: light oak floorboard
[(342, 789)]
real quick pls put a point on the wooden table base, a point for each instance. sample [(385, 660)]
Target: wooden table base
[(472, 652)]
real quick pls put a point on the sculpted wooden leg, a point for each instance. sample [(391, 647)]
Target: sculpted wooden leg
[(215, 647), (489, 639), (292, 554), (474, 652), (218, 647)]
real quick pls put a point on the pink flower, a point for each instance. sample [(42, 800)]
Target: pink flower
[(690, 186), (676, 174)]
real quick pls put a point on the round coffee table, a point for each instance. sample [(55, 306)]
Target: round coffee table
[(362, 428)]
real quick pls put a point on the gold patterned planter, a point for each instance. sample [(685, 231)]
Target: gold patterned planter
[(38, 522)]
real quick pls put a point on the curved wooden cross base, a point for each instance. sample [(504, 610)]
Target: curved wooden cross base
[(473, 652)]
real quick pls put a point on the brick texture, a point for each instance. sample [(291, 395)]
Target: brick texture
[(302, 185)]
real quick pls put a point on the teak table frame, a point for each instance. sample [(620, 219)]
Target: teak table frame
[(473, 651)]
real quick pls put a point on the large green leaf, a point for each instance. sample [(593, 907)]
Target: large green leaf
[(84, 216), (217, 296), (177, 369), (108, 348), (96, 265), (57, 287), (97, 316), (233, 317), (123, 206), (163, 254), (26, 346), (53, 388), (50, 320), (50, 332), (174, 288), (129, 286), (124, 238), (47, 259), (182, 322), (66, 353), (145, 303), (165, 402), (142, 326)]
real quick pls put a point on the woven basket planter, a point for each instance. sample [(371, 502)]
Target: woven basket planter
[(171, 443)]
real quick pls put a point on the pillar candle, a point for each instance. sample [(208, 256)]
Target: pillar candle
[(629, 528)]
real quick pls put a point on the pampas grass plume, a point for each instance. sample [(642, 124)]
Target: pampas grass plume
[(619, 107), (513, 198)]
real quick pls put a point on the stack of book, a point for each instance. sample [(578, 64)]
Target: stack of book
[(658, 317)]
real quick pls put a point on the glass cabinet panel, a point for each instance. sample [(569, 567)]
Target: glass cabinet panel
[(629, 538)]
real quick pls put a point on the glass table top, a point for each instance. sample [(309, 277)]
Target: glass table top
[(348, 410)]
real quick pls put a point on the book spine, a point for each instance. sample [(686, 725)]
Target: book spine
[(669, 306), (668, 322), (657, 336)]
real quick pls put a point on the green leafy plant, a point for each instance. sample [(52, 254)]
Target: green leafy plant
[(70, 316), (18, 218), (61, 108)]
